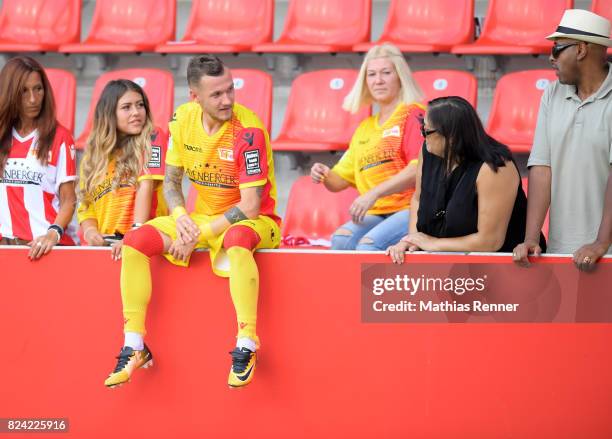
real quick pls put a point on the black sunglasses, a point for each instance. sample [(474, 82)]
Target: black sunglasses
[(558, 48), (425, 132)]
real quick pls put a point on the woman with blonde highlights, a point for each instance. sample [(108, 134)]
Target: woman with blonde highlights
[(381, 159), (37, 162), (122, 162)]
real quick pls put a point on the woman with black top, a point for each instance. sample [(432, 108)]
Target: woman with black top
[(468, 195)]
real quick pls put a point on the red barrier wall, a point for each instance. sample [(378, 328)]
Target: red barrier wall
[(322, 373)]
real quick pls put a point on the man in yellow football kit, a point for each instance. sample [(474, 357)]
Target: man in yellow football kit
[(224, 150)]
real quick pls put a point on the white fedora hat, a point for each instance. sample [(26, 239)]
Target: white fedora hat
[(582, 25)]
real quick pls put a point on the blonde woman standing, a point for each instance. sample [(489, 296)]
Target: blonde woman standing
[(381, 159), (118, 174)]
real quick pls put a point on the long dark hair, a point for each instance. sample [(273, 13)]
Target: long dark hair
[(13, 77), (465, 138)]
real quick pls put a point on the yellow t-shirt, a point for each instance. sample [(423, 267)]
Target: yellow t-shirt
[(376, 153), (235, 157), (114, 210)]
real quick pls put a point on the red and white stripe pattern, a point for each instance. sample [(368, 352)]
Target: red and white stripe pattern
[(29, 190)]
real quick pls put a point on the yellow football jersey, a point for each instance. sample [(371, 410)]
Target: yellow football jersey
[(378, 152), (235, 157)]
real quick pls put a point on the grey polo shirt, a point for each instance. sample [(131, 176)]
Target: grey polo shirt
[(574, 138)]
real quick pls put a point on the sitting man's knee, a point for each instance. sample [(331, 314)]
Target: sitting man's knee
[(241, 236), (147, 240)]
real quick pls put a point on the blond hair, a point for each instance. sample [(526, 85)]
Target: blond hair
[(103, 145), (360, 94)]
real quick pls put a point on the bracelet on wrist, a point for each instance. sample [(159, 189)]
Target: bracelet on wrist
[(136, 226), (57, 229)]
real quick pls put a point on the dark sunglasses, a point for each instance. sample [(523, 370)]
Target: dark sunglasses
[(558, 48), (425, 132)]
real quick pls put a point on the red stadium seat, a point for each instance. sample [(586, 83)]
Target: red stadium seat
[(313, 212), (322, 26), (39, 25), (63, 84), (314, 118), (254, 90), (157, 84), (438, 83), (603, 8), (515, 107), (427, 26), (224, 26), (128, 26), (525, 184), (517, 27)]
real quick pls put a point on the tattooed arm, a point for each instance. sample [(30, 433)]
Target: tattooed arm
[(187, 230), (173, 190)]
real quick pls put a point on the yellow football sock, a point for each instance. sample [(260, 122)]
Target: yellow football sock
[(135, 289), (244, 288)]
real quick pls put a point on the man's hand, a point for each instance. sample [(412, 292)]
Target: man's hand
[(187, 230), (587, 256), (521, 251), (180, 250)]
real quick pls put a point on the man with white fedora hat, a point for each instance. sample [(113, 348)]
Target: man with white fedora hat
[(569, 165)]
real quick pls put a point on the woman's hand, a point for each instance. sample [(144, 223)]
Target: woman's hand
[(421, 241), (361, 205), (397, 251), (94, 237), (116, 250), (42, 245), (319, 172)]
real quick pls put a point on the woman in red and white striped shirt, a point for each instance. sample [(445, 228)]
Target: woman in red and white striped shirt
[(37, 162)]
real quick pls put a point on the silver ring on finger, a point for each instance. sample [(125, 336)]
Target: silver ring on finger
[(38, 244)]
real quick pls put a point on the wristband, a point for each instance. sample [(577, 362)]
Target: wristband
[(178, 212), (207, 232), (136, 226), (57, 229)]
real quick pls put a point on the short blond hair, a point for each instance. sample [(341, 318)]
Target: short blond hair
[(360, 94)]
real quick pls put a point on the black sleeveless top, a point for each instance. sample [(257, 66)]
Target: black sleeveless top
[(448, 205)]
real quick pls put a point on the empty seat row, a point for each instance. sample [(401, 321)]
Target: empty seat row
[(510, 27), (314, 119)]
